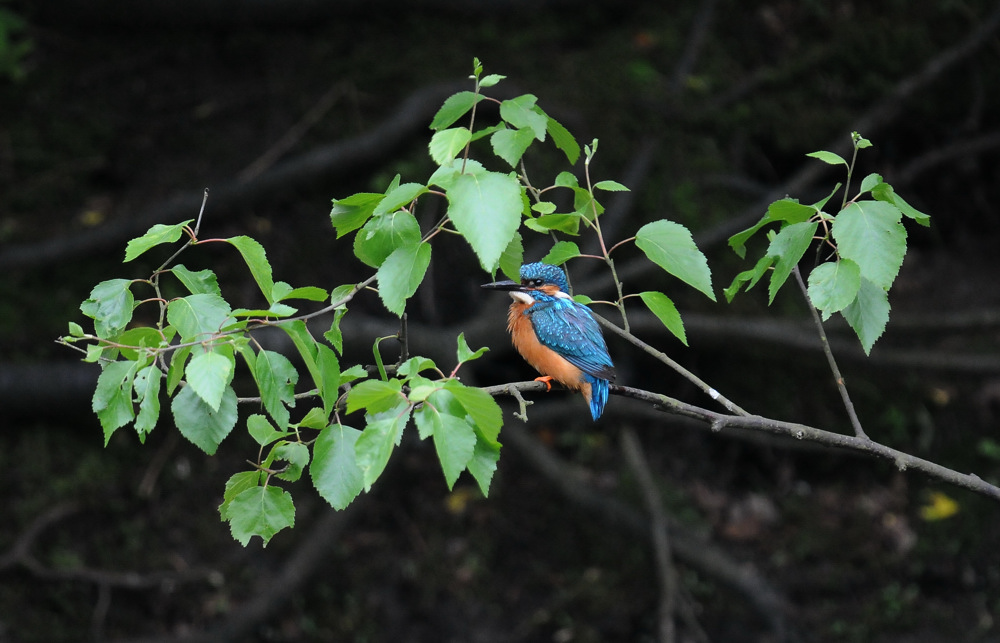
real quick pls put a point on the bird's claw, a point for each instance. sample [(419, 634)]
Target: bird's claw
[(548, 382)]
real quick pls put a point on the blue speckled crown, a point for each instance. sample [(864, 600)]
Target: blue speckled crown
[(546, 272)]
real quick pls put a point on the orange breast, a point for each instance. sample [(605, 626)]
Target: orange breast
[(544, 360)]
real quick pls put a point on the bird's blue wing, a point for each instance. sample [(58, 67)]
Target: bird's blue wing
[(570, 330)]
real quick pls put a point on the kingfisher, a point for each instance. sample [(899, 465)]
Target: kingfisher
[(559, 337)]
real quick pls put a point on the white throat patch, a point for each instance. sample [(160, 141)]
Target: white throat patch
[(522, 297)]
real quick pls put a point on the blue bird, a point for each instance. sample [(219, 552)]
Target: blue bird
[(556, 335)]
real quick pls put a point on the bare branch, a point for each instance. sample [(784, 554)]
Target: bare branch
[(665, 571)]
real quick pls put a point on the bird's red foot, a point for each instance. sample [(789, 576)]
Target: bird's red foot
[(548, 382)]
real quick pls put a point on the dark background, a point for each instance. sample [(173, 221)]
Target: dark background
[(123, 113)]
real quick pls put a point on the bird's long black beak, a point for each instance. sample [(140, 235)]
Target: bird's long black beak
[(503, 285)]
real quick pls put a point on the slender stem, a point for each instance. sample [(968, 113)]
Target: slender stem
[(663, 357), (719, 421), (844, 395)]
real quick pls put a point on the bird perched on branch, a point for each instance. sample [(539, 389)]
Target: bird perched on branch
[(556, 335)]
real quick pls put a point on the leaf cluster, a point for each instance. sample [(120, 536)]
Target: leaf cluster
[(351, 419), (859, 250)]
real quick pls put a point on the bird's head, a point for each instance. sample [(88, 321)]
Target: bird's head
[(538, 280)]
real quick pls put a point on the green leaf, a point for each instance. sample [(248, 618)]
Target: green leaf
[(908, 210), (568, 223), (283, 291), (147, 393), (329, 368), (156, 235), (295, 454), (481, 407), (200, 282), (487, 131), (512, 258), (665, 310), (350, 213), (486, 210), (466, 354), (446, 175), (256, 260), (585, 204), (490, 80), (561, 252), (112, 401), (374, 395), (334, 469), (670, 246), (828, 157), (789, 210), (208, 374), (870, 234), (198, 316), (131, 341), (446, 144), (563, 140), (75, 330), (276, 378), (375, 444), (833, 285), (869, 183), (319, 360), (400, 196), (334, 335), (175, 373), (787, 249), (455, 107), (610, 186), (415, 365), (355, 372), (400, 275), (868, 314), (566, 180), (260, 511), (198, 422), (316, 418), (454, 438), (483, 464), (110, 306), (236, 485), (753, 276), (385, 233), (261, 430), (511, 144), (519, 112)]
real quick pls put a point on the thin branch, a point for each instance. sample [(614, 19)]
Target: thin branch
[(721, 421), (903, 461), (665, 571), (838, 378), (663, 357)]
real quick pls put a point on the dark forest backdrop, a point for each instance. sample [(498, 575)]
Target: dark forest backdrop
[(113, 119)]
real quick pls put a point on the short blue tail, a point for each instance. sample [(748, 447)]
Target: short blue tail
[(598, 394)]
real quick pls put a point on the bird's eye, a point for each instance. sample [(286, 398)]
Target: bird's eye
[(535, 283)]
